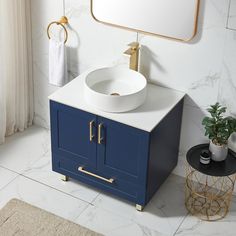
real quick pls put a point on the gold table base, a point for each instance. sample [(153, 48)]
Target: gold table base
[(208, 197)]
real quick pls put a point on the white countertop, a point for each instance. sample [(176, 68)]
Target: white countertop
[(159, 102)]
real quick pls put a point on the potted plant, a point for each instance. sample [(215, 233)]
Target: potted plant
[(218, 128)]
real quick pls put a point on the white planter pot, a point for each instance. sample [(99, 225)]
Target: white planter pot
[(218, 153)]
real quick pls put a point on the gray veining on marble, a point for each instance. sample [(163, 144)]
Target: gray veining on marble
[(203, 68), (231, 24)]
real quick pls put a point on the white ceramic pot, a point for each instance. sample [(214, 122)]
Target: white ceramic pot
[(218, 153)]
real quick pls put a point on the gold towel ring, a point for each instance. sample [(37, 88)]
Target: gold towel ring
[(62, 21)]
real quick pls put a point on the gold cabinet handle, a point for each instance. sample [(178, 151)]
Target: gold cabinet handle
[(100, 138), (81, 169), (91, 135)]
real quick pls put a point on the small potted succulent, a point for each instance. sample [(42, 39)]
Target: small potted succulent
[(218, 128)]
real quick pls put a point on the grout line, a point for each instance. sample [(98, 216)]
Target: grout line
[(77, 217), (64, 8), (227, 21), (194, 106), (92, 203), (228, 16), (223, 58), (137, 37), (180, 224), (88, 204), (6, 168), (9, 182), (54, 188), (230, 29), (23, 175)]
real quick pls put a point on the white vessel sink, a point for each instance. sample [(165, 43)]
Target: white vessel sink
[(115, 89)]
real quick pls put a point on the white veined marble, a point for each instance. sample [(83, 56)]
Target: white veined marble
[(110, 223), (203, 68), (195, 227), (6, 177), (232, 15), (21, 150), (42, 196)]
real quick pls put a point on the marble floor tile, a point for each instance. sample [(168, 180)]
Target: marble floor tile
[(42, 196), (195, 227), (111, 224), (21, 150), (42, 172), (164, 213), (6, 176)]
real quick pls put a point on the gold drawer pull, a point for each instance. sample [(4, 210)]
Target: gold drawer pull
[(100, 134), (81, 169), (91, 135)]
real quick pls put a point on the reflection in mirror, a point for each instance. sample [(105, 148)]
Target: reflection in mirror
[(175, 19)]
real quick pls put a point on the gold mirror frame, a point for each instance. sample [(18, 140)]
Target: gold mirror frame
[(149, 33)]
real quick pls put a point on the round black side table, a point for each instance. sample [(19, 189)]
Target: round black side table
[(209, 188)]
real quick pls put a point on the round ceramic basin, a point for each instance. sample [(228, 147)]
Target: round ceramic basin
[(115, 89)]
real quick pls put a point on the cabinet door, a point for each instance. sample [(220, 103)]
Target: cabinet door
[(71, 130), (122, 151)]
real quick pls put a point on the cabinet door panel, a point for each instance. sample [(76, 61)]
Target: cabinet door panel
[(123, 151), (70, 131)]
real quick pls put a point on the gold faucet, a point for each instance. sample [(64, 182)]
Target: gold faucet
[(133, 52)]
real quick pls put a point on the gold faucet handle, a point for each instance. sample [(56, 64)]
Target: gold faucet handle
[(134, 45)]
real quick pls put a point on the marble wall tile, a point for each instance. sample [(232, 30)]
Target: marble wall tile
[(192, 133), (42, 13), (89, 44), (232, 15), (193, 67), (92, 43), (227, 89)]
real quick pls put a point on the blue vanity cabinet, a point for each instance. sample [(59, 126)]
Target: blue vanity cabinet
[(128, 162)]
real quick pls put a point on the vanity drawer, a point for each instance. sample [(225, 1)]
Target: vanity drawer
[(112, 184)]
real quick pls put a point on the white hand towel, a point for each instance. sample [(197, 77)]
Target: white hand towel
[(57, 63)]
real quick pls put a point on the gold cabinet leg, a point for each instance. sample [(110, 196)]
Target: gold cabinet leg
[(139, 207), (64, 178)]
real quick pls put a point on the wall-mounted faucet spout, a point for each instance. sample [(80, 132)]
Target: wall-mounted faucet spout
[(133, 53)]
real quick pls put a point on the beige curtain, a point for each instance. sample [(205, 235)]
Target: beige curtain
[(16, 85)]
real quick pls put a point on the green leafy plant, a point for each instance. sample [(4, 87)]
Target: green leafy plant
[(219, 128)]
